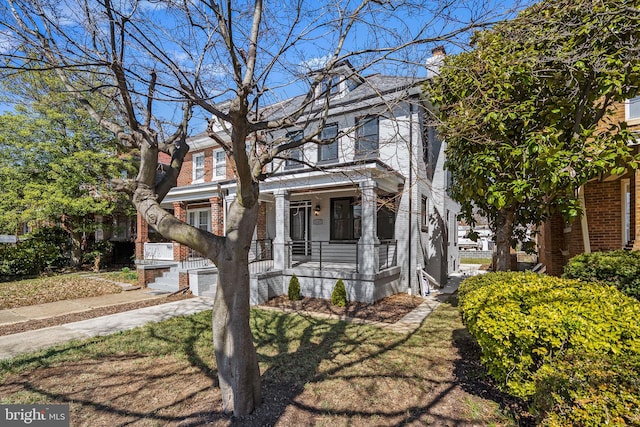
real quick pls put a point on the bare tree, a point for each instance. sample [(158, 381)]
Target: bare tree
[(227, 60)]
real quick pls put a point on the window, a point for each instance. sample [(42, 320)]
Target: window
[(633, 108), (424, 214), (367, 136), (220, 165), (331, 86), (345, 219), (198, 167), (200, 218), (330, 151), (294, 158), (386, 223)]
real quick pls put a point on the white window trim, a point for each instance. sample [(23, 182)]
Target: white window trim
[(626, 211), (193, 174), (217, 177), (627, 114), (196, 212)]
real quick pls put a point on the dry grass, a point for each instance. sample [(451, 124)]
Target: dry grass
[(315, 372), (52, 288)]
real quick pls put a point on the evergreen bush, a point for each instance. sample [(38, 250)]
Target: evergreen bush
[(616, 268), (588, 390), (294, 289), (339, 294), (523, 321)]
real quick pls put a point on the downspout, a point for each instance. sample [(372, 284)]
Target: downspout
[(586, 241), (409, 251)]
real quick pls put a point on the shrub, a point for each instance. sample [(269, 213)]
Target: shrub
[(617, 268), (339, 294), (589, 390), (525, 320), (99, 255), (42, 250), (294, 289)]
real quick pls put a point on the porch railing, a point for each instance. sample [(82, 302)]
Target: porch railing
[(332, 255), (158, 252), (260, 257)]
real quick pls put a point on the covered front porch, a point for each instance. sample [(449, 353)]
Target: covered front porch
[(327, 227)]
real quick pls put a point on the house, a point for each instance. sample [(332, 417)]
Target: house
[(370, 208), (611, 218)]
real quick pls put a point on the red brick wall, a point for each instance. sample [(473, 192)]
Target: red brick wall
[(180, 252), (217, 215), (186, 173), (142, 235), (604, 213)]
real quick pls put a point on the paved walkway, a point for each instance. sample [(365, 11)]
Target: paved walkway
[(16, 344)]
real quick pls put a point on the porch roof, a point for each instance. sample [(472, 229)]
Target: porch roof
[(331, 176)]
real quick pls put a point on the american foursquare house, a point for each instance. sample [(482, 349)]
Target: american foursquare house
[(370, 208)]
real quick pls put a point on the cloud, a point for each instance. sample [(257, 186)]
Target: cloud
[(315, 63), (7, 41)]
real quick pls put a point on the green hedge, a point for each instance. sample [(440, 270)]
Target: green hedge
[(617, 268), (523, 321), (589, 390)]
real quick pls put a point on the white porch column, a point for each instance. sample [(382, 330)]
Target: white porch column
[(368, 249), (228, 199), (282, 238)]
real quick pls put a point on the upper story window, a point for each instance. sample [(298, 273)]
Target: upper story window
[(219, 164), (328, 152), (198, 167), (294, 158), (331, 86), (633, 108), (367, 136)]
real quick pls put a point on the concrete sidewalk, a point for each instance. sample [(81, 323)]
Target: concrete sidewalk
[(58, 308), (16, 344)]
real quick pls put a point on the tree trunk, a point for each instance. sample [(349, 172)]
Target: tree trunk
[(236, 357), (504, 231), (77, 250)]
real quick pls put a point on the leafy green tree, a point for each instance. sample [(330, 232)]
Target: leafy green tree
[(525, 114), (57, 162)]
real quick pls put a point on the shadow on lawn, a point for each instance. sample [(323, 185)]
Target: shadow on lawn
[(295, 352)]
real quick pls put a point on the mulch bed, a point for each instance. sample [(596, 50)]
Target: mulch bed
[(387, 310)]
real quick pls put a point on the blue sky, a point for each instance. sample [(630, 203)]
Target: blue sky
[(318, 43)]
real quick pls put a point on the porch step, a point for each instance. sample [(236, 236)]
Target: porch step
[(168, 282)]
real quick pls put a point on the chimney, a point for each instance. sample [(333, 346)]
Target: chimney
[(435, 62)]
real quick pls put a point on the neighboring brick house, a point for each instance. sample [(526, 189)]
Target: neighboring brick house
[(611, 217), (370, 208)]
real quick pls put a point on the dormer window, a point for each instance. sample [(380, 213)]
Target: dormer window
[(331, 85)]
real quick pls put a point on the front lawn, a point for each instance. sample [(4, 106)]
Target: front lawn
[(315, 372), (22, 293)]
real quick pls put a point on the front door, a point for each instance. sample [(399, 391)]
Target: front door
[(299, 219)]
